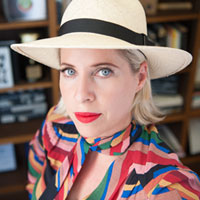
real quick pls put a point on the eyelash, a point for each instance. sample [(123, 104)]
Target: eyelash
[(68, 76)]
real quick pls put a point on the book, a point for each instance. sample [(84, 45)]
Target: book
[(8, 158), (22, 105), (14, 60), (196, 99), (161, 34), (194, 136), (183, 30), (6, 69), (167, 85), (163, 101), (197, 74), (173, 36), (175, 6)]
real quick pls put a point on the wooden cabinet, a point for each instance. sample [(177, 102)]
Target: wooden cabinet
[(13, 183)]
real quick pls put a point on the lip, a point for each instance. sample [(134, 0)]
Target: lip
[(86, 117)]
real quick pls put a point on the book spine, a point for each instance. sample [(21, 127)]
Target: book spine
[(175, 6)]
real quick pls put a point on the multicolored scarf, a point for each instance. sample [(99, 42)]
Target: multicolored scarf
[(66, 175), (144, 168)]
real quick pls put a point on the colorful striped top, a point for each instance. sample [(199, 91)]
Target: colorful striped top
[(148, 170)]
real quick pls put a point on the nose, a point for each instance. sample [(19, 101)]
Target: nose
[(84, 90)]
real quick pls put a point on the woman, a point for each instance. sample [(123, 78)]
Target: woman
[(99, 141)]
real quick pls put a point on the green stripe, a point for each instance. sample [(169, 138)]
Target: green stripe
[(32, 170), (34, 190), (86, 147), (105, 145), (98, 192), (117, 153), (148, 136)]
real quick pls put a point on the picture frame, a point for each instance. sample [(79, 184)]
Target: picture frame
[(6, 69), (25, 10)]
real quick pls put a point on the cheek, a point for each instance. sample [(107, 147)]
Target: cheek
[(65, 91), (119, 98)]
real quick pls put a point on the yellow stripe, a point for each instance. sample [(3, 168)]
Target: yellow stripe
[(39, 191), (90, 140), (68, 135), (66, 187), (184, 190), (164, 183), (54, 162), (130, 187), (117, 140)]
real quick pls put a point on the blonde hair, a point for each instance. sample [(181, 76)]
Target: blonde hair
[(144, 111)]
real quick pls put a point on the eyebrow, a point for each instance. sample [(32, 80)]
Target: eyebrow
[(94, 65)]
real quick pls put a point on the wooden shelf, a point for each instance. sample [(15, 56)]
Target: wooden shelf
[(28, 86), (17, 133), (23, 195), (175, 117), (190, 159), (18, 177), (23, 25), (195, 113), (192, 162), (160, 18)]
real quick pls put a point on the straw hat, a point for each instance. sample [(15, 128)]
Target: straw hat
[(106, 24)]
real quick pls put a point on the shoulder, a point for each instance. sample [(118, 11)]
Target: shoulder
[(177, 184), (156, 169)]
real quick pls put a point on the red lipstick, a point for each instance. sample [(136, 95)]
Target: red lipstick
[(86, 117)]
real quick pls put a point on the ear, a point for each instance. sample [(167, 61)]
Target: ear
[(142, 75)]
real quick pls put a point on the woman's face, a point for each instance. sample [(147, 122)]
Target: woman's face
[(98, 89)]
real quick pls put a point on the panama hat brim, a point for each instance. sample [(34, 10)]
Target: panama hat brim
[(162, 61)]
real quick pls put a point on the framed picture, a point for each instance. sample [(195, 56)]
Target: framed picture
[(6, 72), (25, 10)]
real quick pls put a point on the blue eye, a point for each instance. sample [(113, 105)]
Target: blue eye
[(68, 72), (105, 72)]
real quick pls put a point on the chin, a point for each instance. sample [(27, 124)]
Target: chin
[(86, 131)]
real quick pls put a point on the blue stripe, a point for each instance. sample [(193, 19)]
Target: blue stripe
[(82, 151), (164, 170), (117, 134), (29, 195), (97, 140), (140, 139), (147, 142), (108, 180), (43, 123), (135, 190), (195, 174), (64, 137), (58, 188), (71, 170), (134, 130), (37, 159), (70, 122), (160, 190), (159, 147), (93, 148)]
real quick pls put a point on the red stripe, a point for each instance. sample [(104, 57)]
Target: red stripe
[(152, 157), (128, 161)]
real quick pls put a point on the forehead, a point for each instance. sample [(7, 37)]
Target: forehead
[(96, 54), (91, 56)]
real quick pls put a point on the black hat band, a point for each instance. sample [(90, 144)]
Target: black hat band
[(105, 28)]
